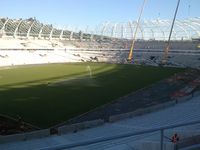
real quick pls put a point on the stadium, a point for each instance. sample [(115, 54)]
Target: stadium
[(75, 89)]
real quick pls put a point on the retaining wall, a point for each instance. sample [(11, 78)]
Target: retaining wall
[(25, 136), (156, 146), (152, 108), (79, 126), (141, 111)]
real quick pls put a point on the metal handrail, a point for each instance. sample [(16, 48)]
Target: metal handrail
[(120, 136)]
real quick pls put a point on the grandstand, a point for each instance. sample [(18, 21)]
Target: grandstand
[(110, 43)]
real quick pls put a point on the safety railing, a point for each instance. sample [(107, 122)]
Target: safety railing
[(121, 136)]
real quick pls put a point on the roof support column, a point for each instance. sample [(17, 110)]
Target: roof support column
[(16, 29), (103, 30), (40, 33), (29, 30), (122, 31), (61, 34), (131, 27), (113, 30), (71, 35), (51, 33), (3, 28)]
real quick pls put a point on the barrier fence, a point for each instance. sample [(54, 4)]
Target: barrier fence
[(120, 136)]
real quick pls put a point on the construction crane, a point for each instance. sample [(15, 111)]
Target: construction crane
[(167, 47), (130, 56)]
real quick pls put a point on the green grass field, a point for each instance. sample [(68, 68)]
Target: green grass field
[(45, 95)]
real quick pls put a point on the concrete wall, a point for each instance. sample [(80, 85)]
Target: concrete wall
[(141, 111), (79, 126), (185, 98), (194, 140), (25, 136), (197, 93), (151, 145), (151, 109)]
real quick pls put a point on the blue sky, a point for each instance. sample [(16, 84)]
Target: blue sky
[(82, 13)]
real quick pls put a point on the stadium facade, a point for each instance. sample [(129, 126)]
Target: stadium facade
[(158, 29), (154, 29)]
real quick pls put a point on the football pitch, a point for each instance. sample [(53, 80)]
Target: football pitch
[(45, 95)]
